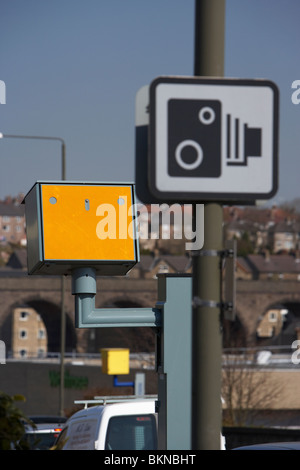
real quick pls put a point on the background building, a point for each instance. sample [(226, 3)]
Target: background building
[(29, 334)]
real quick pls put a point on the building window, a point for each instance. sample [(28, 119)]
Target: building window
[(273, 316), (41, 334), (24, 315), (6, 218), (6, 228), (23, 352), (163, 268), (23, 334)]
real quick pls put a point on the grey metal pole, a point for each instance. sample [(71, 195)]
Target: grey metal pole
[(63, 313), (62, 348), (207, 342)]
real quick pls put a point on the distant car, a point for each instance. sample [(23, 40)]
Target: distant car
[(271, 446), (45, 432)]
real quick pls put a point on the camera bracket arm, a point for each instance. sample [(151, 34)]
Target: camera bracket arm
[(87, 316)]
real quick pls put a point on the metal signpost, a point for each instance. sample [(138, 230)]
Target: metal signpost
[(210, 140), (207, 139)]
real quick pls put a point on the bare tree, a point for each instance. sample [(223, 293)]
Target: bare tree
[(247, 389)]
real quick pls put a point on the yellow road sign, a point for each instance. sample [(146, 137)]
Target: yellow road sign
[(115, 361)]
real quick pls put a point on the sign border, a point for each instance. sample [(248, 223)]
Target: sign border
[(210, 196)]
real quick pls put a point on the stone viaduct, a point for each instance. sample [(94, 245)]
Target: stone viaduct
[(43, 293)]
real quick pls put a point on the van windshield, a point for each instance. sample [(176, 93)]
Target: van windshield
[(136, 432), (41, 440)]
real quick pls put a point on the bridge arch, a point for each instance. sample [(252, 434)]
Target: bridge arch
[(280, 323), (50, 313)]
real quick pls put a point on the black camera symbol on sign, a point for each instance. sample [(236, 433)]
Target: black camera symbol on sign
[(195, 143)]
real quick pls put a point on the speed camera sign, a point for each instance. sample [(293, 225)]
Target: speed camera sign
[(213, 139)]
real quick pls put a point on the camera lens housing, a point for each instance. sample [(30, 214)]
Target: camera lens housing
[(195, 143)]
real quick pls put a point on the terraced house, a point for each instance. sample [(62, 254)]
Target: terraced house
[(12, 222)]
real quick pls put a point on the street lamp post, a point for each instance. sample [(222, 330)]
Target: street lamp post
[(63, 314), (63, 147)]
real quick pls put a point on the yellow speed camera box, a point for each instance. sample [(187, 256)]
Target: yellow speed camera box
[(71, 225), (115, 361)]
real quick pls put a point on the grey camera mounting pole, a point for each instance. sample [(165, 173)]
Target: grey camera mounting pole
[(207, 343), (172, 319)]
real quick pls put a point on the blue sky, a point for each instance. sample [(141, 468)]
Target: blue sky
[(72, 69)]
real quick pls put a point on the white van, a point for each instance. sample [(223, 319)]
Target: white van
[(128, 425)]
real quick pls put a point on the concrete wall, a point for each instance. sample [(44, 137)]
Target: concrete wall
[(39, 384)]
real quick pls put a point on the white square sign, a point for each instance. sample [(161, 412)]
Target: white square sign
[(213, 139)]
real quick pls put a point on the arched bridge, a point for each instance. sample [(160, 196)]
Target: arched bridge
[(43, 294)]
